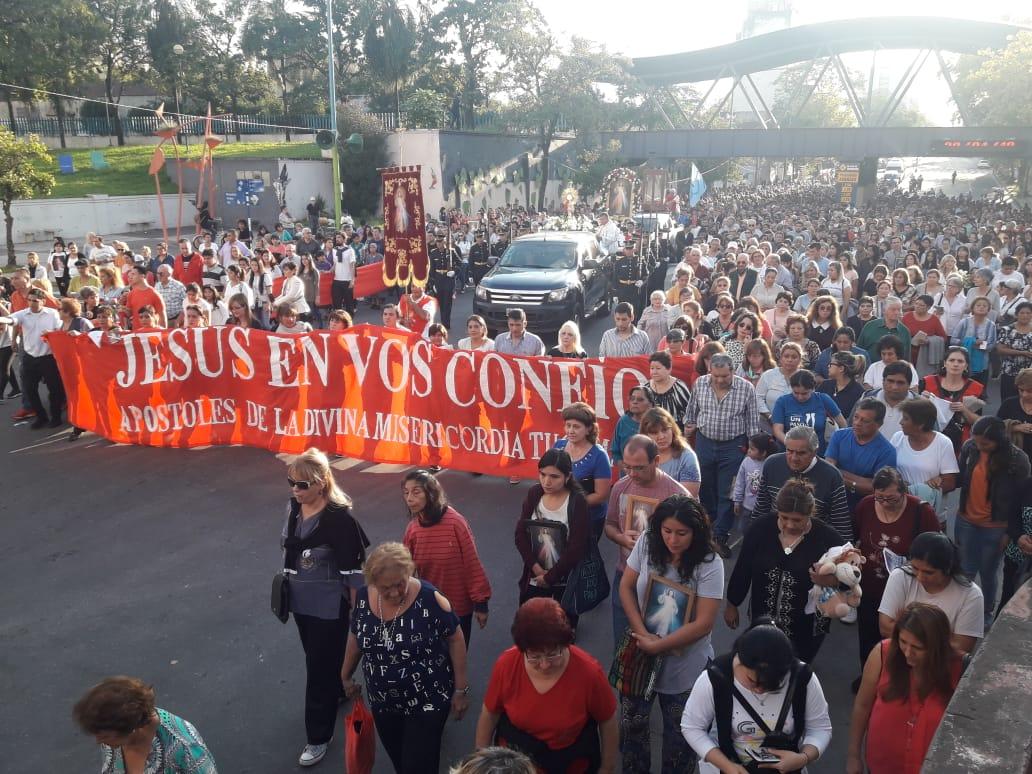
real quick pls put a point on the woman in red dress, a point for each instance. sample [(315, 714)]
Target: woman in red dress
[(549, 698), (907, 683)]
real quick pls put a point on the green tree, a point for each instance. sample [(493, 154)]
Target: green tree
[(23, 175), (360, 171), (996, 86), (18, 51), (55, 66), (547, 80), (169, 28), (996, 89), (426, 109), (120, 46), (826, 107), (480, 28), (288, 44), (390, 46)]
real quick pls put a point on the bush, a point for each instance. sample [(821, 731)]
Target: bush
[(360, 171)]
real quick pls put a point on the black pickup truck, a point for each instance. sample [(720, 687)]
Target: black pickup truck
[(554, 276)]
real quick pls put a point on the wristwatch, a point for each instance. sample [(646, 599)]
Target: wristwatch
[(463, 691)]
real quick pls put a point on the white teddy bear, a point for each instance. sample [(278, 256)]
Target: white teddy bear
[(842, 600)]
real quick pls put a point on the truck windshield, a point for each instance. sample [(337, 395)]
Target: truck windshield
[(540, 255)]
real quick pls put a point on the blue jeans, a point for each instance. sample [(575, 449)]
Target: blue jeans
[(621, 622), (981, 551), (719, 462), (635, 742)]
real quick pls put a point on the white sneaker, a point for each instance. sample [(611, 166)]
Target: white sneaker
[(312, 754)]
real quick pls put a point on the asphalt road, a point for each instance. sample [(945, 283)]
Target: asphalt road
[(156, 563)]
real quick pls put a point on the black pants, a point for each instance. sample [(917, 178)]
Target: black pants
[(324, 641), (62, 284), (867, 632), (413, 742), (466, 625), (343, 294), (444, 291), (1013, 573), (1007, 388), (43, 369), (7, 374)]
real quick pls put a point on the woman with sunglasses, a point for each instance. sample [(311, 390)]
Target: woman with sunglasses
[(721, 324), (323, 551), (444, 550)]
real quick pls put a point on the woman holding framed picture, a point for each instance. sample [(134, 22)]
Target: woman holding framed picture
[(552, 533), (671, 592)]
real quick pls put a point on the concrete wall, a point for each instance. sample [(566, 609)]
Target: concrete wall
[(72, 218), (988, 724), (489, 160)]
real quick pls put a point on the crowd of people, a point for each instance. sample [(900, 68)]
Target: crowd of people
[(817, 376)]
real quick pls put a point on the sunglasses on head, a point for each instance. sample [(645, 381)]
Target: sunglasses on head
[(302, 485)]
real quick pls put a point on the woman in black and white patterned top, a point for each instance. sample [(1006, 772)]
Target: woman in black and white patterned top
[(413, 659)]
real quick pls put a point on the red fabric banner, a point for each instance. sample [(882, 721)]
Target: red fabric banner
[(404, 228), (368, 282), (366, 393)]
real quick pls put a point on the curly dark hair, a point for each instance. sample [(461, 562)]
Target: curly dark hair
[(689, 512)]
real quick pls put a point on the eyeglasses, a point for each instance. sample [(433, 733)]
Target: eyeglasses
[(888, 499), (302, 485), (724, 306), (539, 658)]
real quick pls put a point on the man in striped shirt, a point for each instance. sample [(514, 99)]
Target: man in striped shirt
[(722, 414), (800, 460), (625, 340)]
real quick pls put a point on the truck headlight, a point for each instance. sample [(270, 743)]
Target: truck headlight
[(558, 294), (481, 293)]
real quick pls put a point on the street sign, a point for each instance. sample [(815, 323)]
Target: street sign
[(231, 197)]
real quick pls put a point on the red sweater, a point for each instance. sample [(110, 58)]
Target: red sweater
[(446, 556)]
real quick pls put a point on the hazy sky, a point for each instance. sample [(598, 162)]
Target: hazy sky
[(648, 27)]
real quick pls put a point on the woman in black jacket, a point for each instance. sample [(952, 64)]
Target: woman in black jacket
[(553, 530), (992, 476), (323, 550)]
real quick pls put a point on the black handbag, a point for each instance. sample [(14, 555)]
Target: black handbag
[(281, 580), (587, 584)]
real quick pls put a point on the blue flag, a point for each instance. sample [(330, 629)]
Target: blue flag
[(697, 187)]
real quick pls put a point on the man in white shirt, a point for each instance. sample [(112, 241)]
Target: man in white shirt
[(624, 339), (101, 253), (610, 238), (342, 289), (38, 363), (226, 251)]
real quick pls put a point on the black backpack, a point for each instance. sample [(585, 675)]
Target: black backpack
[(721, 675)]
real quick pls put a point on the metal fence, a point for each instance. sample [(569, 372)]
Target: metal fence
[(147, 124)]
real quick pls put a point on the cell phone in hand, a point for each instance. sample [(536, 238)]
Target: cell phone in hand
[(761, 755)]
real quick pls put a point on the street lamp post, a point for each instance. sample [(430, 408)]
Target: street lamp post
[(333, 118), (178, 50)]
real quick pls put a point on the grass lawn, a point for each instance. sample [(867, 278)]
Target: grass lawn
[(127, 174)]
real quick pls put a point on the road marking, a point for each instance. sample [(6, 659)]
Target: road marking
[(47, 442), (345, 463), (385, 467)]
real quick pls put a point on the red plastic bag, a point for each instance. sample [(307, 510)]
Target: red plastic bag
[(359, 739)]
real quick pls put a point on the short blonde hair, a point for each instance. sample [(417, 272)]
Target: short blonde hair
[(571, 327), (313, 466), (385, 558)]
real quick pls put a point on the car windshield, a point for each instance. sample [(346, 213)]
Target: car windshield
[(540, 255)]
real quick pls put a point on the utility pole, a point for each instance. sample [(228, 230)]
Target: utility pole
[(333, 118)]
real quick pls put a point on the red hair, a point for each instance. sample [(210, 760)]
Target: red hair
[(541, 625)]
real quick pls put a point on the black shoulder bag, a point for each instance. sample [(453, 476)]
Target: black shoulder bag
[(281, 580)]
